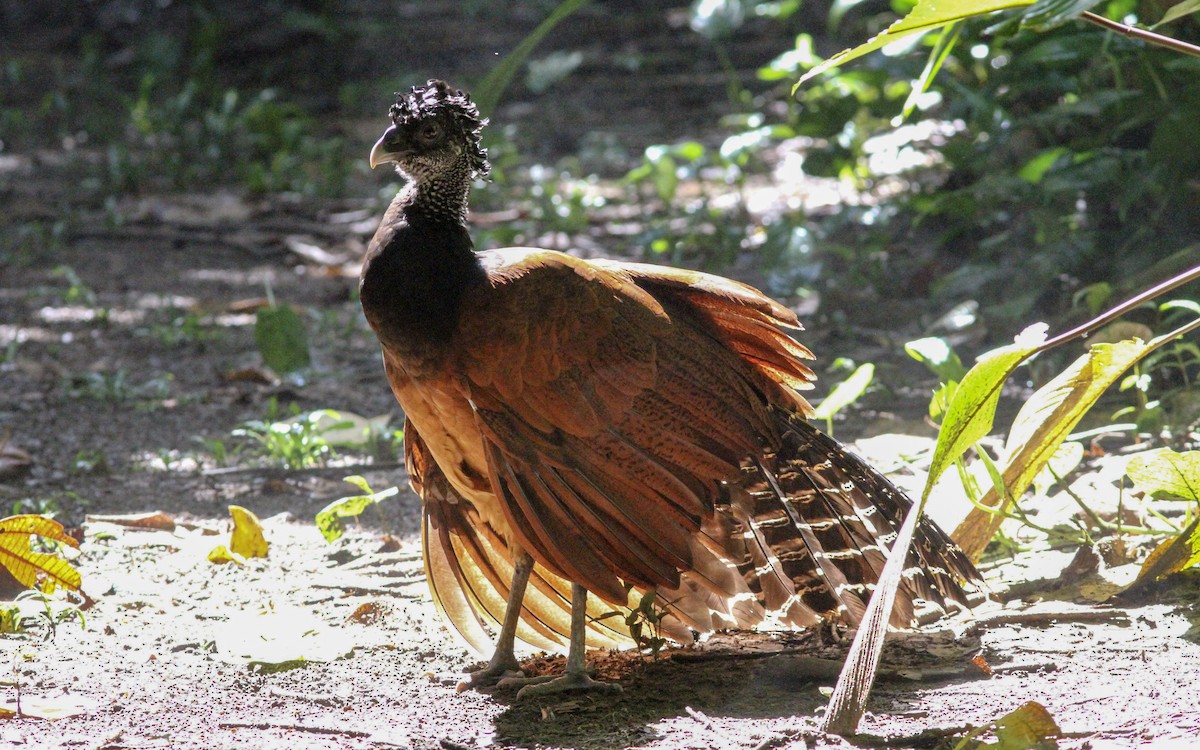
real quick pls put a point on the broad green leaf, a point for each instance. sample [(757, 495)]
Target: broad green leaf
[(1046, 14), (1163, 473), (281, 339), (28, 566), (1030, 726), (927, 15), (973, 407), (1177, 553), (846, 392), (1041, 426), (935, 353), (331, 519), (1185, 8)]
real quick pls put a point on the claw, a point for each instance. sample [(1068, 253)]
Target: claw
[(539, 686)]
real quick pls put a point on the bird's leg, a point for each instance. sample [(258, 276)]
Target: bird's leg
[(504, 662), (575, 677)]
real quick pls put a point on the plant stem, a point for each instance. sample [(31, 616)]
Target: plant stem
[(1142, 34), (1189, 275)]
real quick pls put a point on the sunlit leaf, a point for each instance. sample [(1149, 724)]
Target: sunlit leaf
[(1041, 426), (1177, 553), (247, 538), (1163, 473), (846, 392), (221, 555), (1063, 462), (331, 519), (935, 353), (1029, 727), (27, 566), (927, 15), (970, 414)]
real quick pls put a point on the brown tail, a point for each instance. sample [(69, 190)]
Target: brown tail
[(820, 522)]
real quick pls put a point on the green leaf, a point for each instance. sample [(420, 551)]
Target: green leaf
[(1177, 553), (846, 392), (281, 339), (1053, 411), (1046, 14), (973, 408), (1185, 8), (1030, 727), (1040, 428), (331, 520), (935, 353), (1165, 474), (1036, 168), (927, 15)]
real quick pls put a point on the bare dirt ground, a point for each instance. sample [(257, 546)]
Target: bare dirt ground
[(179, 652), (120, 348)]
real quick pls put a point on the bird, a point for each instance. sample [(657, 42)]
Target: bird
[(584, 434)]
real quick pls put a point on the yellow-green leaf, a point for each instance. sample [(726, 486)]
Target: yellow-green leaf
[(1163, 473), (971, 411), (1042, 425), (28, 566), (846, 392), (331, 519), (1030, 726), (927, 15), (221, 555), (247, 538), (1178, 553)]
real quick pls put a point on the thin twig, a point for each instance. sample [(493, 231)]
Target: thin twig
[(1045, 617), (265, 725), (1133, 302), (1144, 35)]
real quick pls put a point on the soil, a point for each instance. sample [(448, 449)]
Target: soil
[(125, 346)]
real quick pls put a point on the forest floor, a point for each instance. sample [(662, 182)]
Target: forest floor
[(128, 358)]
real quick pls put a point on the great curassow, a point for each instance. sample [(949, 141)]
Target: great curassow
[(614, 428)]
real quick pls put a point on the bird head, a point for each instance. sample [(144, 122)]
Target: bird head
[(435, 131)]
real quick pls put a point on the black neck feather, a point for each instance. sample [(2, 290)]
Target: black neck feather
[(417, 269)]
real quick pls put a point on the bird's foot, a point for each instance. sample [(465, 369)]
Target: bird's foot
[(533, 687), (496, 672)]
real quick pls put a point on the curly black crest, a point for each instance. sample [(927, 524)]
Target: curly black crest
[(437, 99)]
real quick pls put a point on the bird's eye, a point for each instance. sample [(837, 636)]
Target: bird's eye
[(430, 132)]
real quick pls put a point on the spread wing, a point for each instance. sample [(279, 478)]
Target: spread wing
[(614, 401)]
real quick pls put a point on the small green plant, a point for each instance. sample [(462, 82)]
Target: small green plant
[(183, 328), (844, 393), (643, 622), (331, 520), (34, 609), (115, 387), (297, 442)]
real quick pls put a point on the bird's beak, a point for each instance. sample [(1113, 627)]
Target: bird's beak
[(385, 150)]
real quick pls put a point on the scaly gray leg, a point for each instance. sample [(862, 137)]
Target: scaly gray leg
[(575, 677), (504, 662)]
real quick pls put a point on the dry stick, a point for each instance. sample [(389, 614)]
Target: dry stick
[(266, 725), (1142, 34), (849, 699)]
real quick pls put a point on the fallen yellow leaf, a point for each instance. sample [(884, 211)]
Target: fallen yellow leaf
[(247, 539)]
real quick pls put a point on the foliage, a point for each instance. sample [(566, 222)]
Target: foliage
[(297, 442), (843, 394), (331, 520), (28, 566), (37, 609)]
